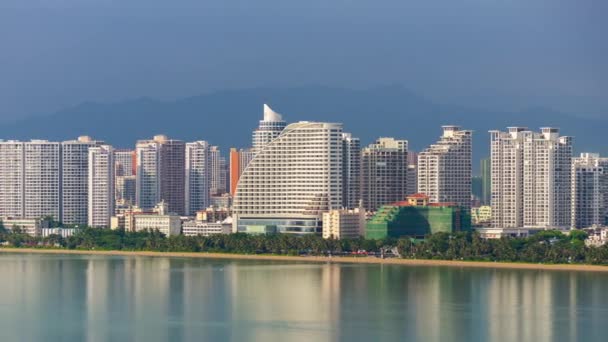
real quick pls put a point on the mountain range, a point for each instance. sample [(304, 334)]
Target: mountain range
[(227, 118)]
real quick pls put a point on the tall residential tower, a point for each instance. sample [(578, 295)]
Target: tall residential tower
[(531, 178), (100, 186), (384, 173), (589, 190), (444, 168)]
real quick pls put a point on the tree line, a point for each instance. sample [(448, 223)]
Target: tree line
[(543, 247)]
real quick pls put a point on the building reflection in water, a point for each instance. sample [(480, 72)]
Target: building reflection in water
[(98, 298)]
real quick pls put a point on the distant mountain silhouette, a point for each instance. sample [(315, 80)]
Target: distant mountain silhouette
[(226, 118)]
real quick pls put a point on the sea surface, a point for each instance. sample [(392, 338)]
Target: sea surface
[(118, 298)]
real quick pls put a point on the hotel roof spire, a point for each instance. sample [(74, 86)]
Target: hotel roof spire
[(271, 115)]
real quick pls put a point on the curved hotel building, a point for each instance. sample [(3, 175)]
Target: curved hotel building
[(292, 180)]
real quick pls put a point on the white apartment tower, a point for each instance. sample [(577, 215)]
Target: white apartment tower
[(100, 186), (160, 173), (351, 175), (12, 181), (292, 181), (198, 176), (384, 173), (589, 190), (444, 168), (74, 179), (147, 188), (269, 128), (42, 179), (531, 178)]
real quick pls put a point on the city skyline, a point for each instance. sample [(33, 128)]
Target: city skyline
[(272, 183)]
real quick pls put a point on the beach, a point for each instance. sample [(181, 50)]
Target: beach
[(320, 259)]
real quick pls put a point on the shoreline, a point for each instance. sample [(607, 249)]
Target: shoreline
[(320, 259)]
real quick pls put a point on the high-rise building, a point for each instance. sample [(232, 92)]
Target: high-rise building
[(42, 179), (172, 174), (147, 174), (269, 128), (486, 181), (219, 171), (162, 162), (384, 173), (351, 171), (100, 186), (239, 159), (531, 178), (125, 189), (12, 182), (74, 180), (589, 190), (444, 168), (411, 183), (292, 181), (198, 176), (124, 162)]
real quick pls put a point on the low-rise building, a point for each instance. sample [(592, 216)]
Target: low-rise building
[(63, 232), (166, 224), (343, 224), (416, 217), (159, 218), (213, 214), (481, 216), (597, 236), (221, 201), (498, 233), (29, 226), (196, 227)]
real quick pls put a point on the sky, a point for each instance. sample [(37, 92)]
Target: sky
[(498, 54)]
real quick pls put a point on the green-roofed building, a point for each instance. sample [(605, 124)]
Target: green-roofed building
[(417, 218)]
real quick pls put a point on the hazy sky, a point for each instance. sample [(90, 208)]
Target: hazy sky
[(485, 53)]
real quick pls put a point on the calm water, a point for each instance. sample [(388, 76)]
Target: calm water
[(99, 298)]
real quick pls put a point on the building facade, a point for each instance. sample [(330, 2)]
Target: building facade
[(384, 173), (445, 168)]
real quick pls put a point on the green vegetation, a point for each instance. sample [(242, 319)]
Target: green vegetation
[(544, 247)]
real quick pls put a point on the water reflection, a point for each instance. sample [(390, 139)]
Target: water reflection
[(80, 298)]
